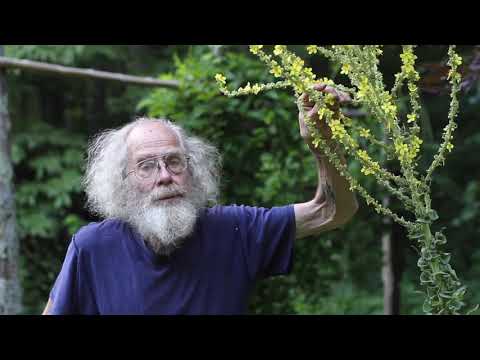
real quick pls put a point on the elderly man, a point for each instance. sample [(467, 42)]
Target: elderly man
[(161, 249)]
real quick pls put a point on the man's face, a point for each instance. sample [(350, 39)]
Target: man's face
[(146, 143), (161, 203)]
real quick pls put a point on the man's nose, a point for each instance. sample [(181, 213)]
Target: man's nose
[(163, 176)]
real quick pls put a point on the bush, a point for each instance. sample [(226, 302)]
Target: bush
[(47, 163)]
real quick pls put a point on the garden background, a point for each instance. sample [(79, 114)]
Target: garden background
[(266, 163)]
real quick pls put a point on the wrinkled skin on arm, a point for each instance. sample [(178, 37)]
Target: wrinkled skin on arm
[(333, 204)]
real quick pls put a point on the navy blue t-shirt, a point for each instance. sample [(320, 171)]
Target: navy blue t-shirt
[(108, 268)]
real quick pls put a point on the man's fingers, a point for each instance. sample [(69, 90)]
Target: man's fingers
[(313, 111), (304, 101), (341, 96), (319, 86), (345, 97)]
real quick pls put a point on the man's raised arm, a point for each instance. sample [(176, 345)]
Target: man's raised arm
[(334, 204)]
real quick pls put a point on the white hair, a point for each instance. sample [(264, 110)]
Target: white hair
[(107, 159)]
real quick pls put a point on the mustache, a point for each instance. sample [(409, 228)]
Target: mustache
[(163, 193)]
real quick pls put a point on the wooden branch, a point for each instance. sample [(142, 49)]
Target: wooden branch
[(86, 73)]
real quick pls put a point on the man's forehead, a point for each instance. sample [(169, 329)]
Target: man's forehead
[(148, 145), (151, 138)]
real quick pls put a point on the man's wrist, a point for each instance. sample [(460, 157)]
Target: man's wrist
[(334, 148)]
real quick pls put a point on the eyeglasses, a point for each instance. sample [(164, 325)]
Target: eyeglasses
[(174, 163)]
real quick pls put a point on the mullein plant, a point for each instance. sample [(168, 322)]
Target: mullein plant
[(444, 293)]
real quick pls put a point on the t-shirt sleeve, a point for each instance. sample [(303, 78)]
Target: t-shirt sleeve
[(268, 236), (70, 294)]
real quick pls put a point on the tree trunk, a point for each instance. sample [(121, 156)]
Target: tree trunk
[(10, 290)]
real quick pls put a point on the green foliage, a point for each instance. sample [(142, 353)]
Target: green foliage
[(443, 289), (48, 170), (266, 163), (344, 298)]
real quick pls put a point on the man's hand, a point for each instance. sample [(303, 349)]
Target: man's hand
[(311, 111), (334, 204)]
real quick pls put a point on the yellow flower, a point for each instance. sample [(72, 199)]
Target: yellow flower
[(297, 67), (411, 117), (402, 151), (245, 90), (365, 133), (455, 76), (372, 167), (299, 88), (363, 88), (366, 171), (457, 60), (254, 49), (415, 148), (408, 67), (412, 88), (327, 81), (390, 109), (347, 121), (309, 73), (316, 142), (362, 154), (276, 71), (408, 57), (324, 112), (449, 147), (349, 142), (221, 79), (330, 99), (338, 131), (256, 89), (312, 49), (279, 49), (345, 69)]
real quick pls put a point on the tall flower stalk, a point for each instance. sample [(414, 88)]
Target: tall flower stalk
[(443, 289)]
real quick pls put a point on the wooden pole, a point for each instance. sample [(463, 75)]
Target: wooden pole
[(390, 283), (37, 66), (390, 269)]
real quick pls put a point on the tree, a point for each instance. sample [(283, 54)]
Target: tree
[(10, 290)]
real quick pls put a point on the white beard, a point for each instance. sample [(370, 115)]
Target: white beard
[(163, 226)]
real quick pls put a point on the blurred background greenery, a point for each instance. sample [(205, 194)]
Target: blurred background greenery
[(265, 164)]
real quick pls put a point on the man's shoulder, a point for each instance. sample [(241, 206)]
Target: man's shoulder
[(237, 212), (243, 210), (230, 210), (102, 233)]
